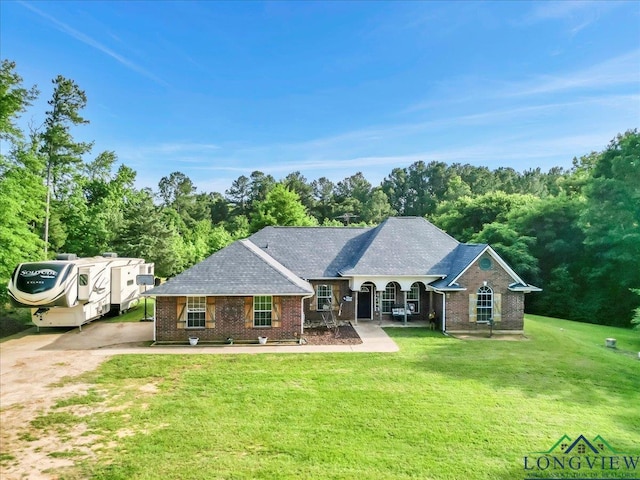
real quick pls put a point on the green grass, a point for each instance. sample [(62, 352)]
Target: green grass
[(441, 408)]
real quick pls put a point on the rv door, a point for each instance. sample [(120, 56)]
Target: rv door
[(84, 289)]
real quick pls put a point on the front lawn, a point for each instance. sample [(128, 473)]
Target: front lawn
[(441, 408)]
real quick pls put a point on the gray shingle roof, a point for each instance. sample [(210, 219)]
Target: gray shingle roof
[(312, 252), (455, 263), (402, 246), (239, 269), (279, 260)]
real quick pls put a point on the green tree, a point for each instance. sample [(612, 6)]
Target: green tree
[(351, 195), (376, 208), (456, 189), (559, 250), (94, 211), (296, 182), (324, 196), (14, 100), (21, 212), (259, 186), (238, 195), (280, 207), (146, 233), (63, 155), (22, 192), (219, 208), (396, 187), (611, 222), (238, 227), (467, 216), (480, 179), (512, 246), (219, 238), (178, 192)]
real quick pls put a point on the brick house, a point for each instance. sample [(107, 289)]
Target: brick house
[(282, 279)]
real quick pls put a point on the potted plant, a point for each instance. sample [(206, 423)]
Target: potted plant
[(262, 340)]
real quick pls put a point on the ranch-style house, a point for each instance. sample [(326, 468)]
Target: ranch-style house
[(282, 279)]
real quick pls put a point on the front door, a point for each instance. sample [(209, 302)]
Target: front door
[(364, 302)]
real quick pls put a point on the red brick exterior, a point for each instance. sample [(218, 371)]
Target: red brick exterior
[(340, 289), (230, 312), (229, 321), (512, 304)]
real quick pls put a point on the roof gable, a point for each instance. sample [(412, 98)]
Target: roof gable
[(403, 246)]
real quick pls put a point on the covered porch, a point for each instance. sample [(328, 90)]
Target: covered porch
[(397, 301)]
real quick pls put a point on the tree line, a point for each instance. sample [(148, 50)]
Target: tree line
[(574, 232)]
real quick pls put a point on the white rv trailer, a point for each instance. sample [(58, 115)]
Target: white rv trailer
[(71, 291)]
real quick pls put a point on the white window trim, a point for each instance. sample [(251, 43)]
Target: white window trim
[(197, 305), (387, 301), (270, 310), (326, 299), (414, 301), (482, 292)]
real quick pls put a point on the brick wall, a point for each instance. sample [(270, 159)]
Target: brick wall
[(229, 321), (457, 310), (340, 288)]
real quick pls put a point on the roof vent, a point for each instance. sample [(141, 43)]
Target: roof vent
[(66, 256), (109, 254)]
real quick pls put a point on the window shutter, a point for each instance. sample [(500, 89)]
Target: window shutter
[(473, 307), (248, 312), (335, 301), (276, 312), (497, 307), (313, 300), (210, 317), (181, 304)]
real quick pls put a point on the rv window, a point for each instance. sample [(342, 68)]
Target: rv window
[(83, 279), (129, 282)]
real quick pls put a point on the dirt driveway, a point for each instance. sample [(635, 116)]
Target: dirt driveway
[(30, 364)]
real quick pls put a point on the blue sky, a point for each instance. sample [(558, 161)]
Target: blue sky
[(216, 90)]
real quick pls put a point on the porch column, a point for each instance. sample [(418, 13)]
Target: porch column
[(404, 294), (357, 298)]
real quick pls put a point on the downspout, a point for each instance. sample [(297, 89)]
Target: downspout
[(302, 311), (155, 316)]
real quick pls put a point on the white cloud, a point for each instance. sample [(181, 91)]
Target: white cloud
[(86, 39), (618, 71)]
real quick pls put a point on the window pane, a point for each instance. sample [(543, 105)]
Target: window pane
[(388, 298), (413, 298), (323, 297), (196, 312), (484, 304), (262, 311)]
